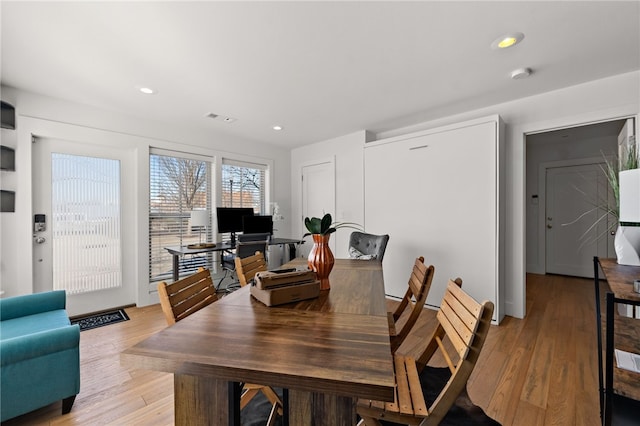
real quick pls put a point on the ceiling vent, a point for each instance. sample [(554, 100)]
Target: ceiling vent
[(218, 117)]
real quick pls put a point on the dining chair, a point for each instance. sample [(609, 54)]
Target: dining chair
[(462, 328), (365, 246), (190, 294), (248, 267), (618, 410), (412, 303), (246, 246), (186, 296)]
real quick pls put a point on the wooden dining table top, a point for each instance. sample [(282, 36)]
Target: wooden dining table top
[(337, 343)]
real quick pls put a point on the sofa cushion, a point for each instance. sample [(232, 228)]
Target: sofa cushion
[(33, 323)]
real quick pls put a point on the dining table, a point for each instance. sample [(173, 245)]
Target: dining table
[(326, 352)]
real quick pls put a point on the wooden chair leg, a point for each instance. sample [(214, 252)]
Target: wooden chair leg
[(247, 395), (67, 403), (273, 398), (273, 415)]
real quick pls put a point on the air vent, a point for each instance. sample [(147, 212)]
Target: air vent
[(218, 117)]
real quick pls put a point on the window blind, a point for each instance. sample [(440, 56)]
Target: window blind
[(85, 223), (243, 185), (179, 183)]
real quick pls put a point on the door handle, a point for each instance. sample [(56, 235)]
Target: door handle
[(549, 226), (39, 240)]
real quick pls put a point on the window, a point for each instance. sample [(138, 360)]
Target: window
[(178, 184), (243, 185), (85, 223)]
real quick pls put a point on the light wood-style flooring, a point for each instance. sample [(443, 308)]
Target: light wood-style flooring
[(541, 370)]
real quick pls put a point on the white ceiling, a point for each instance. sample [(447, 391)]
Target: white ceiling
[(320, 69)]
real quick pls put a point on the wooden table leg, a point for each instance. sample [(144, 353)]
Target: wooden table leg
[(318, 409), (205, 401)]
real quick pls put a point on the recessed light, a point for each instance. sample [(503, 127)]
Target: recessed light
[(276, 127), (507, 40), (146, 90)]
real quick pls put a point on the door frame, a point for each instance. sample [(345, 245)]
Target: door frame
[(544, 127)]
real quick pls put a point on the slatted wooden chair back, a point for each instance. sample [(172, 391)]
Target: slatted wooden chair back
[(186, 296), (412, 303), (462, 329), (248, 267)]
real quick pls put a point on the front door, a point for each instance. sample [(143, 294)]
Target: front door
[(83, 218), (577, 223)]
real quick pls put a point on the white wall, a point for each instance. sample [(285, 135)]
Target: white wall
[(45, 116), (349, 200), (609, 98)]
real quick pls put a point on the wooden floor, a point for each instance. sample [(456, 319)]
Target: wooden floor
[(538, 371)]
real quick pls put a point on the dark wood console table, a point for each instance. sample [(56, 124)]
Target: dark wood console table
[(627, 330)]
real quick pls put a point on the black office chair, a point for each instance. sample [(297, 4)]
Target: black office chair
[(618, 409), (367, 246), (247, 245)]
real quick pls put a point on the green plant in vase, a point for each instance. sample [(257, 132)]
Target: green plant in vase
[(321, 258), (326, 226)]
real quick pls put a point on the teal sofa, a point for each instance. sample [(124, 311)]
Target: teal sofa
[(39, 354)]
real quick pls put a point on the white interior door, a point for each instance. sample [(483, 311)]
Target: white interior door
[(85, 246), (576, 225), (318, 196)]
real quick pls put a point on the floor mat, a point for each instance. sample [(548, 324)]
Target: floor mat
[(98, 320)]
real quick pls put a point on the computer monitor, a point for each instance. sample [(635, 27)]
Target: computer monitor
[(230, 218), (257, 224)]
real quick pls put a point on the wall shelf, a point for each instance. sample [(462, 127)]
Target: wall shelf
[(8, 115), (7, 201), (7, 159)]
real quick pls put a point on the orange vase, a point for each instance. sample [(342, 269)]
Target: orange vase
[(321, 259)]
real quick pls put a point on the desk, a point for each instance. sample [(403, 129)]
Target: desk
[(327, 351), (627, 330), (179, 251)]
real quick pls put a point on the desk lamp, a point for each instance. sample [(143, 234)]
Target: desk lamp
[(199, 218), (627, 241)]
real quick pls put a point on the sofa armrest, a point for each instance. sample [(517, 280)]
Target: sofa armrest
[(38, 344), (29, 304)]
